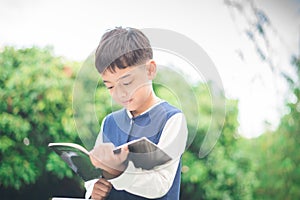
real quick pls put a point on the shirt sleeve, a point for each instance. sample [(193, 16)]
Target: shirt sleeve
[(136, 180)]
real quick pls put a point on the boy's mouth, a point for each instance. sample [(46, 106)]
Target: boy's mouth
[(126, 102)]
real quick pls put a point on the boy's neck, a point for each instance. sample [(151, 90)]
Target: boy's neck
[(152, 100)]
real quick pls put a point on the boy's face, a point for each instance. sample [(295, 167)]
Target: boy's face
[(131, 87)]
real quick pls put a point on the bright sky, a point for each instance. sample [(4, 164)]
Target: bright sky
[(74, 28)]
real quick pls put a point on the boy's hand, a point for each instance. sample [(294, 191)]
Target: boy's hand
[(102, 156), (101, 189)]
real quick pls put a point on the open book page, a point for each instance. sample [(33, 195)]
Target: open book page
[(77, 158), (142, 152), (145, 154)]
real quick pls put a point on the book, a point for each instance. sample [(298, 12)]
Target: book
[(77, 158), (142, 152), (145, 154)]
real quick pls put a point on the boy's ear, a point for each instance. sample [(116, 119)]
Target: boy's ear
[(151, 69)]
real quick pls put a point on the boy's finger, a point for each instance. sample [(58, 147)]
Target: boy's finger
[(125, 148), (124, 154), (104, 182)]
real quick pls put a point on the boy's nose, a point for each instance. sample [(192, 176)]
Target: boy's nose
[(121, 91)]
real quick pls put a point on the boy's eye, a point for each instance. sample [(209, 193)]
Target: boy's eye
[(109, 87), (127, 83)]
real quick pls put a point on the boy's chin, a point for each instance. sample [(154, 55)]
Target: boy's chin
[(130, 109)]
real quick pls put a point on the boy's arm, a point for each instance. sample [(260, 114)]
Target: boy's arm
[(150, 184), (156, 182)]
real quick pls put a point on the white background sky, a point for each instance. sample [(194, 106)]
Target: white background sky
[(74, 28)]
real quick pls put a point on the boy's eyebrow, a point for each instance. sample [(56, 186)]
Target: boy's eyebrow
[(122, 77)]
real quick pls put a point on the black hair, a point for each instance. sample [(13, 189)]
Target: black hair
[(121, 48)]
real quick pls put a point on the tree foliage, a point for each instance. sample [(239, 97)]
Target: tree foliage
[(36, 108), (225, 173), (35, 91), (276, 153)]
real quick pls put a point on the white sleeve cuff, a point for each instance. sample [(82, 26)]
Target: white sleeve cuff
[(89, 185)]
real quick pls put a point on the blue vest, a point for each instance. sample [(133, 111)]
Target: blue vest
[(119, 128)]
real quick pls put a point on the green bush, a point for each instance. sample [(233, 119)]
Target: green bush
[(35, 109)]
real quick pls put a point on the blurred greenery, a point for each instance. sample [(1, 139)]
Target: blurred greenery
[(275, 154), (36, 108), (227, 172)]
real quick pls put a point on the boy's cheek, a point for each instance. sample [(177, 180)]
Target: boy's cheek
[(111, 92), (114, 96), (116, 99)]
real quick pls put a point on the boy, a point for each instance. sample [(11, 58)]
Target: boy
[(124, 59)]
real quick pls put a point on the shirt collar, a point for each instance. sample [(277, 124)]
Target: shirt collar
[(156, 104)]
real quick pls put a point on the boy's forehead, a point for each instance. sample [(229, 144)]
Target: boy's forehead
[(112, 76)]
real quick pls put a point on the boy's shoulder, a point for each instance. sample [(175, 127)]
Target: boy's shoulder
[(167, 108)]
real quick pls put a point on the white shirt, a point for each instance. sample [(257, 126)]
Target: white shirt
[(136, 180)]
